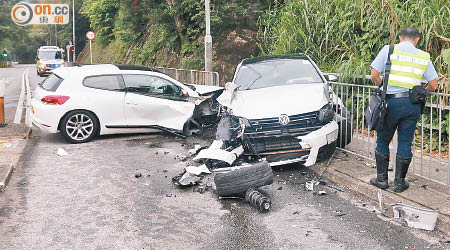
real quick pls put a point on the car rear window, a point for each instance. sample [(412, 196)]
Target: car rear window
[(106, 82), (52, 83)]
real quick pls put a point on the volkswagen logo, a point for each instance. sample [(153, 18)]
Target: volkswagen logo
[(284, 120)]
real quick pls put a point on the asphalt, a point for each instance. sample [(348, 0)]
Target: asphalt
[(354, 173), (11, 151), (13, 137), (91, 199)]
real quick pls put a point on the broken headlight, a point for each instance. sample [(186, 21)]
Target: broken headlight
[(326, 114)]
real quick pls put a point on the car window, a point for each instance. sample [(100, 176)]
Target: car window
[(276, 72), (106, 82), (51, 83), (49, 55), (152, 85)]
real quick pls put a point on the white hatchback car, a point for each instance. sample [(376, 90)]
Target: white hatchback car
[(82, 102)]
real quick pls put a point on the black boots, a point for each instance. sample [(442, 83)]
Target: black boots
[(381, 181), (401, 168)]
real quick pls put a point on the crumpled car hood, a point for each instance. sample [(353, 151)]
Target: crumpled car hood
[(274, 101), (205, 89)]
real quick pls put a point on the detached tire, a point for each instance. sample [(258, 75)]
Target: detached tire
[(79, 126), (239, 181)]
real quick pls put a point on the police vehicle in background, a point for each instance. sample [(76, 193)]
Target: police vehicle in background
[(49, 58)]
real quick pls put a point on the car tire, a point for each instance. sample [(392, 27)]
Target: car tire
[(239, 181), (79, 126)]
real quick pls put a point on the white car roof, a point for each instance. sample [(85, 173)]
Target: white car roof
[(87, 70), (50, 48), (108, 69)]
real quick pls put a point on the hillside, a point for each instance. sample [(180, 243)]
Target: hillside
[(170, 33)]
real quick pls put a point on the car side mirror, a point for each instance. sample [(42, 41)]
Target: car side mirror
[(184, 93), (231, 86), (332, 78)]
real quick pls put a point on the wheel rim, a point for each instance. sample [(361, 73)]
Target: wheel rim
[(79, 127)]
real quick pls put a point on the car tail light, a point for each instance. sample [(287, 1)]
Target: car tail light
[(55, 99)]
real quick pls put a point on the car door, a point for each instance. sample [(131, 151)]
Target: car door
[(105, 97), (155, 101)]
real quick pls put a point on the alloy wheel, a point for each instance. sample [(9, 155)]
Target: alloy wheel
[(79, 127)]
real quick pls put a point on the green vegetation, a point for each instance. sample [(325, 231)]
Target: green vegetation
[(153, 29), (23, 41), (345, 36)]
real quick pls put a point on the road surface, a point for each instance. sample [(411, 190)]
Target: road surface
[(12, 77)]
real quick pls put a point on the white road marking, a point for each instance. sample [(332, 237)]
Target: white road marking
[(28, 110), (20, 103)]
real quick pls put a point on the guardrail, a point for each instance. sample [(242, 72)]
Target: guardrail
[(430, 148), (192, 76)]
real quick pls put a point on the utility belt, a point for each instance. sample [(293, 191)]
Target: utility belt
[(417, 95)]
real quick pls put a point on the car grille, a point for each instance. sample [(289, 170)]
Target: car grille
[(268, 135)]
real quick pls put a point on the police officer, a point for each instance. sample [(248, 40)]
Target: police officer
[(409, 66)]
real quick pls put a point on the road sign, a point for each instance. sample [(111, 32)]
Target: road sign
[(90, 35)]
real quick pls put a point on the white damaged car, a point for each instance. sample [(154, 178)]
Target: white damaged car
[(83, 102), (283, 107)]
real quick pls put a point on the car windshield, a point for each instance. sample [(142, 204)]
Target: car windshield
[(276, 72), (49, 55)]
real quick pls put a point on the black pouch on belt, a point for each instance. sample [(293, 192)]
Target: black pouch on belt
[(418, 95)]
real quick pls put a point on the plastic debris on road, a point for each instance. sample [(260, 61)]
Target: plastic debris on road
[(322, 192), (186, 179), (202, 169), (200, 189), (416, 217), (61, 152), (309, 185)]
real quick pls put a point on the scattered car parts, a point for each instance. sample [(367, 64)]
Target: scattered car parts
[(186, 179), (416, 217), (258, 200)]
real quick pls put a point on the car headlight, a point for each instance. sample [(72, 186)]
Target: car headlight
[(326, 114)]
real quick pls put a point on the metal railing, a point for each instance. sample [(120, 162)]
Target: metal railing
[(430, 147), (192, 76)]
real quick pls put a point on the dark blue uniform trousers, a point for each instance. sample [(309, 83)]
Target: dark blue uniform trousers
[(401, 115)]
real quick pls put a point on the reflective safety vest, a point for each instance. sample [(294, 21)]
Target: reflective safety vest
[(407, 68)]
